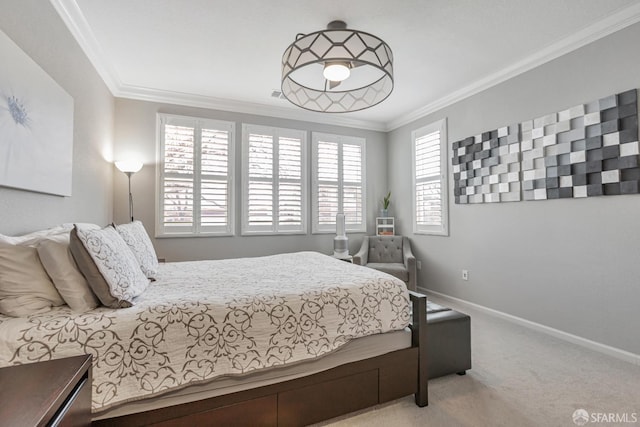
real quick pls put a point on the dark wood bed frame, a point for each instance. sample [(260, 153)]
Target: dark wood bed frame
[(306, 400)]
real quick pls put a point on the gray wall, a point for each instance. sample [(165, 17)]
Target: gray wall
[(135, 135), (36, 27), (571, 264)]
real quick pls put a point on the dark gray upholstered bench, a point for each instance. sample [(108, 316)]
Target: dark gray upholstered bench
[(448, 341)]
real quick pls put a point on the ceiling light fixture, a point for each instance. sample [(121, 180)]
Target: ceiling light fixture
[(337, 70)]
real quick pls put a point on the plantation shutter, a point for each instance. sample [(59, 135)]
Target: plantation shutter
[(178, 173), (274, 175), (194, 176), (328, 183), (214, 179), (292, 187), (429, 156), (352, 184), (339, 182), (260, 188)]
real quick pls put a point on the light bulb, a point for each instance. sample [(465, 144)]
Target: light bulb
[(336, 71)]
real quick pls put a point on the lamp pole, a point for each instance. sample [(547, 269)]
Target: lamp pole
[(130, 196)]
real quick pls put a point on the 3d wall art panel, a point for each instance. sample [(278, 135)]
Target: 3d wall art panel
[(486, 167), (588, 150)]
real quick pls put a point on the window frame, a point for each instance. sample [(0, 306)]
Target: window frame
[(195, 230), (275, 228), (443, 228), (316, 137)]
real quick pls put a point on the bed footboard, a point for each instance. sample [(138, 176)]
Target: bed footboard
[(419, 340)]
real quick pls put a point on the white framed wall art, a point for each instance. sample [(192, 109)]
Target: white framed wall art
[(36, 125)]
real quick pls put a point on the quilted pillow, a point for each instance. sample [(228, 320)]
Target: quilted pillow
[(57, 260), (25, 287), (140, 244), (108, 264)]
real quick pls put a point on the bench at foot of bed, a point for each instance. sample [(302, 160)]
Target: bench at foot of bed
[(449, 341)]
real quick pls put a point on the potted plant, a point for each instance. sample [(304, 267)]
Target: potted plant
[(384, 212)]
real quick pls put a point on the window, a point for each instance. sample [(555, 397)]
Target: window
[(195, 188), (338, 182), (274, 180), (430, 179)]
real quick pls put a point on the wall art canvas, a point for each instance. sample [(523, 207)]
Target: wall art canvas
[(587, 150), (36, 125)]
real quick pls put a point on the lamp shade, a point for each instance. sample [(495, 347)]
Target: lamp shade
[(129, 166)]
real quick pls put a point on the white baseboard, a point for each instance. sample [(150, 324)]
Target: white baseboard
[(593, 345)]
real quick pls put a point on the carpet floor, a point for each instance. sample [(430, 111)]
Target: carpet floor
[(520, 377)]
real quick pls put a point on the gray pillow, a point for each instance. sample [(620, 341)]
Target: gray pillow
[(108, 264), (140, 244)]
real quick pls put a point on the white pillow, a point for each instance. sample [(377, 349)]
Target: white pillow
[(57, 260), (35, 237), (25, 287), (115, 262), (140, 244)]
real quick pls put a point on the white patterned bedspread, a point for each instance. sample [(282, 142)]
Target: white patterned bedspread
[(204, 319)]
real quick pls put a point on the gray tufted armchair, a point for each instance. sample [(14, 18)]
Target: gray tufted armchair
[(390, 254)]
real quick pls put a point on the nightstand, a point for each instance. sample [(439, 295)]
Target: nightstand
[(52, 393)]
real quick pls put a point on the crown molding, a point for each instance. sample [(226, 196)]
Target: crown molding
[(77, 24), (209, 102), (609, 25)]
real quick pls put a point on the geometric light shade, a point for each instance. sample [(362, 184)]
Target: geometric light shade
[(368, 58)]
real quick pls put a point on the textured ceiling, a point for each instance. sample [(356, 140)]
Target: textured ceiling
[(226, 54)]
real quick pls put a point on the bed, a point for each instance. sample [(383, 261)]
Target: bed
[(288, 339)]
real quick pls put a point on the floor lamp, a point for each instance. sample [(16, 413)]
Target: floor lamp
[(129, 167)]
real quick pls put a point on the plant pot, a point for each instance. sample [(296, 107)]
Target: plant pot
[(384, 213)]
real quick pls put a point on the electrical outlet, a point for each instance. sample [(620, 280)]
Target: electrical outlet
[(419, 265), (465, 274)]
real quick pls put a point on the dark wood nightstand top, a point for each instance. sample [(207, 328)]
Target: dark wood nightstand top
[(31, 394)]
